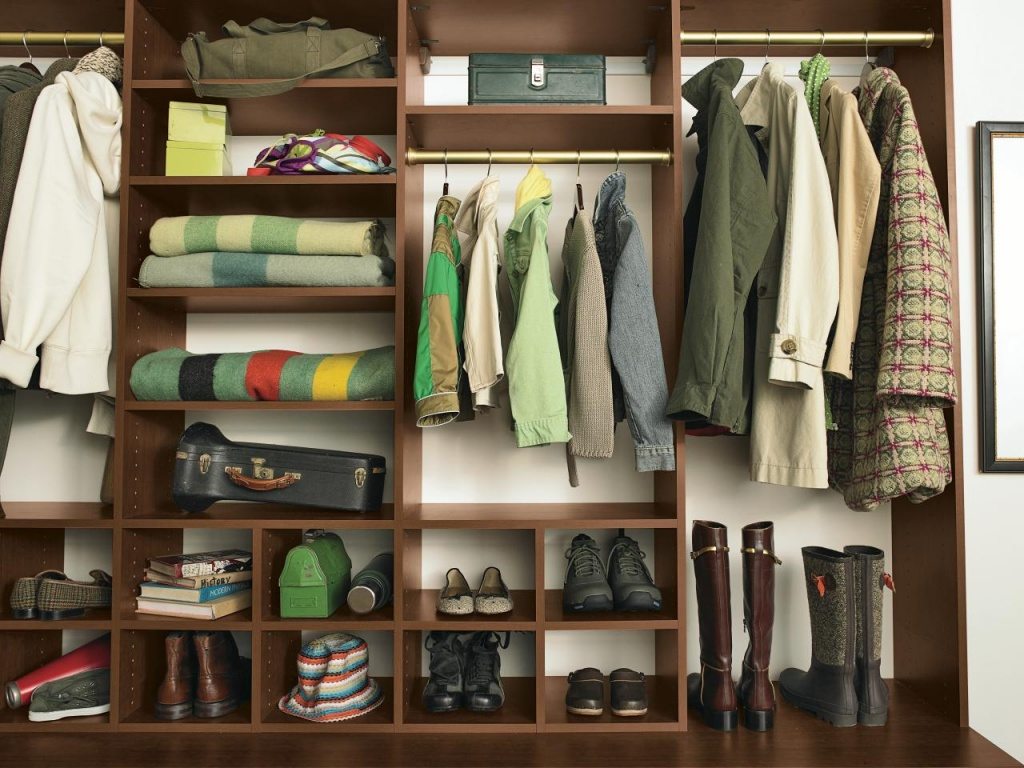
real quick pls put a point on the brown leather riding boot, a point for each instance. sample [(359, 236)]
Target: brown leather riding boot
[(221, 685), (177, 692), (757, 697), (712, 691)]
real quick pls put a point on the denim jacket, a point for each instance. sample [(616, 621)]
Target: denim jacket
[(633, 337)]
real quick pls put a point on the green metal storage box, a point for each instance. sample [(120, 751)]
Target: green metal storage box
[(525, 78), (315, 578)]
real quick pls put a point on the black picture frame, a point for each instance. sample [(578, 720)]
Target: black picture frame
[(991, 461)]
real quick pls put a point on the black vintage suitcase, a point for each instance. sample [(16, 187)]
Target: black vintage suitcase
[(208, 468)]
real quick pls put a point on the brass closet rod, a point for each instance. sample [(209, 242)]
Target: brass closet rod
[(546, 156), (814, 37), (28, 37)]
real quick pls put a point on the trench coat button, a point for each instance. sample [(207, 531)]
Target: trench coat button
[(789, 347)]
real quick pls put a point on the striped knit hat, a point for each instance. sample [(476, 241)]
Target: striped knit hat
[(333, 681)]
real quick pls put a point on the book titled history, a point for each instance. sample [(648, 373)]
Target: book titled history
[(214, 609), (198, 582), (202, 563), (183, 595)]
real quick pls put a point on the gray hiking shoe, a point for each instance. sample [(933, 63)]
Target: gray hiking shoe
[(483, 690), (586, 585), (631, 582), (81, 695)]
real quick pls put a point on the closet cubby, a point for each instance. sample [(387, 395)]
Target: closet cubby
[(24, 552), (142, 668), (280, 649), (518, 678), (139, 545), (929, 693), (24, 651), (362, 545)]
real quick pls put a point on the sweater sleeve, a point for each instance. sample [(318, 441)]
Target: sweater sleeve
[(809, 275), (51, 234)]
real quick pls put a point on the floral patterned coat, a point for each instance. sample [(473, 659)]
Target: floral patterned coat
[(891, 436)]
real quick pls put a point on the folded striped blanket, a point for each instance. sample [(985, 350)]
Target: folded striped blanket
[(229, 270), (334, 682), (178, 235), (174, 374)]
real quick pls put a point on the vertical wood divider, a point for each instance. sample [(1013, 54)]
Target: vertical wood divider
[(540, 638)]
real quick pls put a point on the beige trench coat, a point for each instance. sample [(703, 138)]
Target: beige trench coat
[(797, 290)]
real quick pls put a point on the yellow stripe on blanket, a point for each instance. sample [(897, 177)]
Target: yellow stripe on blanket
[(330, 382)]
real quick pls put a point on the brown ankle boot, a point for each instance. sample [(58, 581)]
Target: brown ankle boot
[(756, 694), (712, 691), (222, 682), (177, 692)]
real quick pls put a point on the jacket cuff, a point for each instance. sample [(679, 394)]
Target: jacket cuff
[(437, 409), (795, 361), (16, 365), (542, 431), (655, 458)]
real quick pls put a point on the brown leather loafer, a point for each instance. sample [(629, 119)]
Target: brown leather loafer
[(629, 693), (586, 693)]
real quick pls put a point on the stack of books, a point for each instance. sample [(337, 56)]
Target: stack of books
[(202, 585)]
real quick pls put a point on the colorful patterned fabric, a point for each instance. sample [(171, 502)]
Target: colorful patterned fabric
[(322, 152), (174, 374), (439, 345), (891, 439), (229, 270), (178, 235), (334, 683)]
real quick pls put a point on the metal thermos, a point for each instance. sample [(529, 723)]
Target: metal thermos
[(371, 587)]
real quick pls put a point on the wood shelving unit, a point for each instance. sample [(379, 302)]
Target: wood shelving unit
[(929, 704)]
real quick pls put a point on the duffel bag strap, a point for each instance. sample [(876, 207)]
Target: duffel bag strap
[(264, 26), (190, 54)]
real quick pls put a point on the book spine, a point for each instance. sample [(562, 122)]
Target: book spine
[(192, 570), (212, 593)]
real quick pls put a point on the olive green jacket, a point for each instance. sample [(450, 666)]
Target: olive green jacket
[(729, 225)]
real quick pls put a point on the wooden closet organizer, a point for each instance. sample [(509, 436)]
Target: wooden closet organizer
[(929, 704)]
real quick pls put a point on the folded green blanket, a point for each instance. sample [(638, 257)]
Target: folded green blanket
[(178, 235), (231, 270), (174, 374)]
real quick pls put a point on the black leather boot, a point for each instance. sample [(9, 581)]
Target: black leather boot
[(827, 689), (871, 579), (443, 692), (483, 690)]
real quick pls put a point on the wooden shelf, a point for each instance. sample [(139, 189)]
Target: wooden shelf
[(518, 713), (549, 126), (56, 514), (94, 618), (240, 621), (144, 719), (264, 181), (17, 720), (541, 515), (557, 618), (342, 620), (238, 514), (257, 300), (420, 612), (662, 713), (380, 719), (259, 405)]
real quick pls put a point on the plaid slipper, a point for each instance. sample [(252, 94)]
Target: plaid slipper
[(24, 595), (62, 599)]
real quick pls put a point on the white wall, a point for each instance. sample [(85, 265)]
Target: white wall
[(987, 66)]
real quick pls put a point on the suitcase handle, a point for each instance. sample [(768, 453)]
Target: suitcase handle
[(256, 484)]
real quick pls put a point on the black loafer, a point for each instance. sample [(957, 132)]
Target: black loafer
[(629, 693), (586, 693)]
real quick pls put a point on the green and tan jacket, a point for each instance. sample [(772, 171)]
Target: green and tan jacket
[(438, 367)]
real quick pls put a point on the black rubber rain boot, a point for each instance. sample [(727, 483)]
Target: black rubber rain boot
[(871, 580), (827, 689)]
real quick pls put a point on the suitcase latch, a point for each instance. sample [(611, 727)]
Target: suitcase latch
[(360, 477), (204, 463), (537, 73)]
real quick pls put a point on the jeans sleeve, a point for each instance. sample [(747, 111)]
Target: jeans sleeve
[(636, 354)]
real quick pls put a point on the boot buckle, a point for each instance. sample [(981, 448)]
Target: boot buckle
[(705, 550)]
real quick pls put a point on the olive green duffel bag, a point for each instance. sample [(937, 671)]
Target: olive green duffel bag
[(285, 53)]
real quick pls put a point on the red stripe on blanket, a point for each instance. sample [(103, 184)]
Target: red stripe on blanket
[(263, 374)]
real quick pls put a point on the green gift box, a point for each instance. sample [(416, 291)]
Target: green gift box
[(200, 123), (193, 158)]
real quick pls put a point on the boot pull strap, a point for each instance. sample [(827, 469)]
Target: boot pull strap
[(754, 551), (705, 550), (888, 582)]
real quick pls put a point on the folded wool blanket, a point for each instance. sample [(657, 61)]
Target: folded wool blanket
[(178, 235), (174, 374), (233, 270)]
